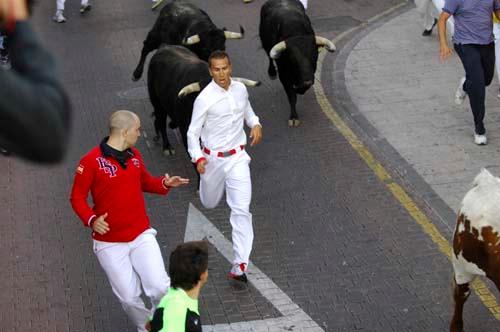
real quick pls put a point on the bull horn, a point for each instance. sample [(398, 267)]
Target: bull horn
[(328, 44), (277, 49), (194, 39), (234, 35), (193, 87), (246, 81)]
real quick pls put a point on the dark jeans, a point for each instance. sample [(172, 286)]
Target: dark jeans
[(479, 65)]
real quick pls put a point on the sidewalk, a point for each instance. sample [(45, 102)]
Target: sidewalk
[(396, 80)]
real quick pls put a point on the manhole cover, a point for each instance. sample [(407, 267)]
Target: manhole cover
[(139, 93)]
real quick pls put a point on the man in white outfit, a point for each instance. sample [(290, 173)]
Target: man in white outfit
[(429, 13), (223, 164), (59, 17)]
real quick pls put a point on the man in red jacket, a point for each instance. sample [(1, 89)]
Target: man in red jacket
[(124, 242)]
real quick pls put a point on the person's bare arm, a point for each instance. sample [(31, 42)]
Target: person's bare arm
[(13, 10), (444, 49)]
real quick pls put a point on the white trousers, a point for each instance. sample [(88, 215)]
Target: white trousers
[(428, 11), (132, 264), (232, 175), (304, 3), (496, 32), (60, 3), (430, 15)]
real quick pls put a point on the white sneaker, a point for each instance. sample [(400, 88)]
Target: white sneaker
[(85, 8), (460, 94), (58, 17), (480, 139), (238, 272), (498, 95)]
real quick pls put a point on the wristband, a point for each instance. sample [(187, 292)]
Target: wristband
[(91, 222), (200, 160)]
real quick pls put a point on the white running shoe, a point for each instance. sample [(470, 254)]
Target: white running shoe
[(460, 94), (59, 17), (85, 8), (238, 272), (480, 139)]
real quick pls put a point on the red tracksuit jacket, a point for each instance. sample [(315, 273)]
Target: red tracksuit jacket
[(115, 191)]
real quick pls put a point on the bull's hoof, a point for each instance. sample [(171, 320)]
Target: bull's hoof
[(456, 327), (271, 71), (135, 78), (293, 123), (169, 152)]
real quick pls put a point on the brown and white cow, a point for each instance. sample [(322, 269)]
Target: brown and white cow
[(476, 242)]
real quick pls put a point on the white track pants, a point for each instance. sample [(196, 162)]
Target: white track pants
[(304, 3), (430, 15), (130, 264), (429, 12), (232, 175), (60, 3)]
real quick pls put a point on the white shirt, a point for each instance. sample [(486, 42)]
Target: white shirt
[(217, 118)]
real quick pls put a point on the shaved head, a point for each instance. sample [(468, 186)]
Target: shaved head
[(121, 120)]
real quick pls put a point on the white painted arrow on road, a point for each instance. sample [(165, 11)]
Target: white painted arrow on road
[(294, 318)]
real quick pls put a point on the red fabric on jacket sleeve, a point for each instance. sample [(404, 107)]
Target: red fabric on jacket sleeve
[(149, 183), (84, 178)]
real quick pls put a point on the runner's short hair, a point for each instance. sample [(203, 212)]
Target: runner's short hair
[(218, 55), (187, 262)]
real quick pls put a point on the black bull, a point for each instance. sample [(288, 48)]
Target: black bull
[(173, 71), (182, 23), (288, 38), (172, 68)]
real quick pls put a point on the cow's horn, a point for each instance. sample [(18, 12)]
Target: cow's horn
[(234, 35), (191, 40), (246, 81), (193, 87), (322, 41), (277, 49)]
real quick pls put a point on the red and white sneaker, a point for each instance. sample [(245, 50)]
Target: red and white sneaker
[(238, 272)]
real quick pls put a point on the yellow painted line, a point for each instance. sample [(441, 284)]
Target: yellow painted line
[(156, 4), (480, 288)]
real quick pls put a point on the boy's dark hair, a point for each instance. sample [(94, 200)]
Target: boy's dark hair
[(218, 55), (187, 262)]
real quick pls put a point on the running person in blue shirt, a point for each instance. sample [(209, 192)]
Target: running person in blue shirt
[(473, 40)]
